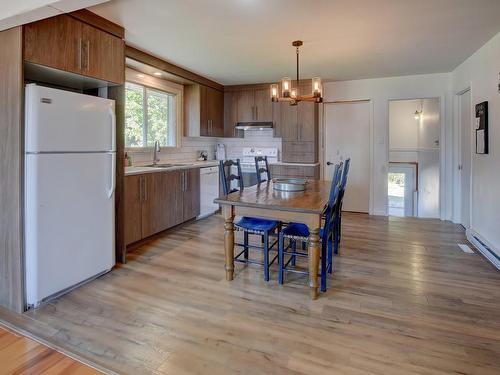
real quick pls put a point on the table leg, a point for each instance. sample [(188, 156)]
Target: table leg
[(313, 251), (229, 241)]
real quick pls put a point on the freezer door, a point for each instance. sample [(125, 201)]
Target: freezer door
[(63, 121), (69, 220)]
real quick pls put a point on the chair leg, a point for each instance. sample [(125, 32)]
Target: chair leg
[(266, 257), (245, 244), (294, 251), (323, 267), (330, 255), (281, 259), (336, 234)]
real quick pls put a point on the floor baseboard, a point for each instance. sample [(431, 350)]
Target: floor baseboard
[(481, 245)]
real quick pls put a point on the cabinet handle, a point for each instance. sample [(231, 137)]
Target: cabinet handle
[(87, 63), (256, 113), (80, 53)]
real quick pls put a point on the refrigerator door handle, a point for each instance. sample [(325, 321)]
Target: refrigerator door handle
[(113, 128), (111, 189)]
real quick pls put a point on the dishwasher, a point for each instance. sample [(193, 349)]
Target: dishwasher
[(209, 190)]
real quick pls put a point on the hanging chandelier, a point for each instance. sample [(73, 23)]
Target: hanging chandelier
[(291, 94)]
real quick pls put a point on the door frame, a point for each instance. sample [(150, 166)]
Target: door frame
[(458, 201), (442, 148), (370, 141)]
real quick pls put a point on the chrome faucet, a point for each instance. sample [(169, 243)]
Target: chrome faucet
[(156, 159)]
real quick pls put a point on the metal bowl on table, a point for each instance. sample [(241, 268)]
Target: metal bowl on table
[(289, 184)]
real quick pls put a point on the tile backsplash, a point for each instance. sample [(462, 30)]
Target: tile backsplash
[(190, 150), (191, 147)]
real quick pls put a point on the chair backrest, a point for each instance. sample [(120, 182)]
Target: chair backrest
[(260, 170), (333, 201), (226, 175), (345, 172)]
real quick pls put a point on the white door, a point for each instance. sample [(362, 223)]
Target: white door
[(465, 156), (347, 135), (69, 217)]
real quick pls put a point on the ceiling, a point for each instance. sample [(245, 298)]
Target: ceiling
[(249, 41)]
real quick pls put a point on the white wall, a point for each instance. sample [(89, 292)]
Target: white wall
[(403, 128), (480, 72), (380, 91)]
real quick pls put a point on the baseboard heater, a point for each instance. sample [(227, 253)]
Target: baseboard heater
[(484, 249)]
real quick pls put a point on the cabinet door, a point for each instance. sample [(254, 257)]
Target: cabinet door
[(307, 124), (191, 193), (263, 105), (133, 202), (215, 112), (288, 126), (55, 42), (204, 125), (245, 106), (230, 116), (277, 119), (161, 202), (102, 55)]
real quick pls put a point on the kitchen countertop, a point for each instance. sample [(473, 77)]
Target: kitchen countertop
[(138, 169), (295, 164)]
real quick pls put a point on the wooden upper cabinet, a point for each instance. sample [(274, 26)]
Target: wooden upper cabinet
[(203, 111), (307, 124), (263, 105), (288, 123), (55, 42), (245, 106), (103, 55), (65, 43), (215, 111)]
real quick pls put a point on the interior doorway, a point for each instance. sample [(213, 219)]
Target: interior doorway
[(347, 135), (401, 191), (465, 118), (414, 158)]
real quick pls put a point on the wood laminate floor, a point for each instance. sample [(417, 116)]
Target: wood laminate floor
[(404, 299), (22, 355)]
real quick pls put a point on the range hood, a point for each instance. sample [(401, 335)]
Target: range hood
[(254, 125)]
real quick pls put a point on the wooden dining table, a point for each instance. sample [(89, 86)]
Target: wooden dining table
[(263, 201)]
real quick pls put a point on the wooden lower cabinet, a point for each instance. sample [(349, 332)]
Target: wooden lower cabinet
[(133, 208), (157, 201), (283, 171)]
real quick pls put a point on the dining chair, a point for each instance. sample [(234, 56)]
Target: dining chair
[(338, 214), (300, 232), (249, 225), (260, 170)]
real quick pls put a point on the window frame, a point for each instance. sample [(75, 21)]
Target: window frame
[(162, 86)]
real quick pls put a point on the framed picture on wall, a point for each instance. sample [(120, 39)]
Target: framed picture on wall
[(482, 128)]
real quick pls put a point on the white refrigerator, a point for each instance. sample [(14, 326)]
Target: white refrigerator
[(70, 162)]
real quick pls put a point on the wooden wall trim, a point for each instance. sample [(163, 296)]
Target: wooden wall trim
[(11, 169), (99, 22), (262, 86), (145, 58)]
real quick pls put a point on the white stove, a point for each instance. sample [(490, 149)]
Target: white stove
[(248, 162), (249, 154)]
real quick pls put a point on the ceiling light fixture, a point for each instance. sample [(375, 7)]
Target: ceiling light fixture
[(157, 74), (291, 94), (140, 75)]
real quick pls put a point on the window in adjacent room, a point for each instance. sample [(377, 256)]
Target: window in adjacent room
[(150, 116)]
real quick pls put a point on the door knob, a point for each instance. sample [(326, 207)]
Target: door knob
[(328, 163)]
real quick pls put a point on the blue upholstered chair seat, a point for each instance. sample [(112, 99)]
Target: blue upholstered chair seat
[(256, 225), (298, 230)]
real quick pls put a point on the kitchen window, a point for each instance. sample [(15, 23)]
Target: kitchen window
[(152, 113)]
